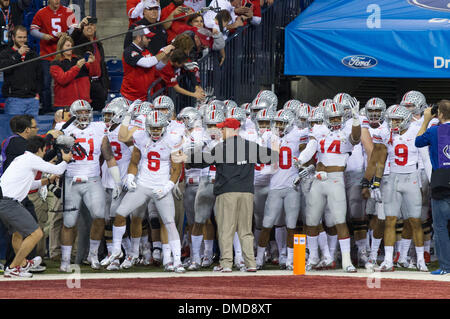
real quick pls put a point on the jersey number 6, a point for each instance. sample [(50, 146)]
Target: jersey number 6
[(153, 161)]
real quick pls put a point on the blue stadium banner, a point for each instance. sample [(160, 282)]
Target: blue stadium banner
[(370, 38)]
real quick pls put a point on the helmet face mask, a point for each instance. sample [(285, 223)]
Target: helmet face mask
[(315, 117), (398, 118), (82, 111), (374, 116), (334, 116), (156, 123), (107, 118), (414, 101)]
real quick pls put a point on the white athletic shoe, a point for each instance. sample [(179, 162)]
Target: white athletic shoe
[(17, 272), (207, 261), (64, 267), (385, 267), (402, 263), (371, 264), (93, 260), (326, 264), (412, 264), (115, 265), (421, 266), (239, 264), (169, 267), (129, 262), (146, 256), (34, 265), (179, 269), (350, 268), (110, 258), (194, 266), (289, 266), (312, 264)]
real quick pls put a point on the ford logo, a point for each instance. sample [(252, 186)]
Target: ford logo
[(359, 61), (441, 5)]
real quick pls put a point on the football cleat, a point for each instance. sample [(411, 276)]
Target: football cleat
[(402, 263), (179, 269), (289, 267), (421, 266), (16, 272), (115, 265), (93, 261), (326, 264), (187, 262), (349, 269), (275, 261), (385, 267), (371, 264), (207, 261), (312, 264), (245, 269), (194, 266), (110, 258), (259, 266), (129, 262), (169, 267), (64, 267), (412, 264)]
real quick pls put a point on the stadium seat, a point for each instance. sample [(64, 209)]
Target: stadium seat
[(116, 83), (114, 67)]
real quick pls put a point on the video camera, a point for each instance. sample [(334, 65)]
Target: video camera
[(67, 144)]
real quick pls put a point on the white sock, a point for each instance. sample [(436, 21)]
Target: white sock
[(237, 247), (427, 245), (389, 254), (280, 237), (109, 247), (65, 254), (209, 247), (368, 237), (323, 244), (202, 249), (126, 243), (374, 248), (290, 256), (332, 244), (117, 239), (167, 258), (144, 240), (260, 255), (345, 252), (419, 253), (313, 244), (196, 244), (134, 251), (404, 248), (175, 247), (93, 247)]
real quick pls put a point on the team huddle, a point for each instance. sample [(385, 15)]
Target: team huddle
[(344, 175)]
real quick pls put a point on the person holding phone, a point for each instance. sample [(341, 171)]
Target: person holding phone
[(175, 9), (22, 84), (72, 74)]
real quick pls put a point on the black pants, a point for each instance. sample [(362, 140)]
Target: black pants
[(99, 95), (28, 204)]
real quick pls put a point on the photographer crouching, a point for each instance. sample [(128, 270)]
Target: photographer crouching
[(438, 139), (15, 184)]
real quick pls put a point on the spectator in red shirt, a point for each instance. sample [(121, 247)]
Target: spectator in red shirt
[(139, 65), (48, 25), (175, 10), (256, 10), (72, 75), (172, 70)]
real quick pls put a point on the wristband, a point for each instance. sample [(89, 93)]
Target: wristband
[(376, 181), (365, 183)]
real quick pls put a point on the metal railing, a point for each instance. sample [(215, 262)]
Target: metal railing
[(254, 58)]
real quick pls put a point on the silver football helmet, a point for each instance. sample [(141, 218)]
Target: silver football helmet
[(315, 117), (292, 105), (414, 101), (246, 107), (263, 120), (325, 102), (190, 117), (283, 122), (113, 113), (83, 113), (156, 123), (211, 119), (375, 110), (259, 103), (270, 96), (334, 116), (402, 116), (346, 101), (218, 104), (163, 102), (229, 104), (143, 108), (302, 115), (238, 114)]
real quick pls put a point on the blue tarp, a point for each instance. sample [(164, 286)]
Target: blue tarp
[(383, 38)]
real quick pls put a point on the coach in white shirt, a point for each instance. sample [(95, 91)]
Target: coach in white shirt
[(15, 183)]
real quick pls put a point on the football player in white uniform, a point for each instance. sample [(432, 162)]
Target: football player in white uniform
[(403, 186), (156, 174), (375, 111), (83, 181), (205, 198), (353, 174), (333, 144), (282, 194)]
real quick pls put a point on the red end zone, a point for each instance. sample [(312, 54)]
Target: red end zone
[(229, 287)]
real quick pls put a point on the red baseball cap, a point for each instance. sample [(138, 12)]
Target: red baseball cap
[(230, 123)]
